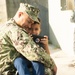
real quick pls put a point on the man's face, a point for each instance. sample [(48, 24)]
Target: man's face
[(26, 21)]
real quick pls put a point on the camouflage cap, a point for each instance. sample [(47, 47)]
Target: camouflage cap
[(32, 11)]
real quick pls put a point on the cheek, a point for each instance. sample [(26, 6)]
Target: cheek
[(23, 21), (38, 32), (25, 24)]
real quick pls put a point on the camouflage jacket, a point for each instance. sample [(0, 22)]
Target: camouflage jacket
[(14, 41)]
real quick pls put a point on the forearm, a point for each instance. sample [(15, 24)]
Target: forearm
[(47, 49)]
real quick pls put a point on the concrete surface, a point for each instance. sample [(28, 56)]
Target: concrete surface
[(64, 62)]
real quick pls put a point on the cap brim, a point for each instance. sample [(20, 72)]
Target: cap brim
[(33, 17)]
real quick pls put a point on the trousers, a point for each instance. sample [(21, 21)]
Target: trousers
[(22, 65)]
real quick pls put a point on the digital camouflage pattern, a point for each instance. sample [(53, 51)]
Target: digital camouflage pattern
[(14, 41), (32, 11)]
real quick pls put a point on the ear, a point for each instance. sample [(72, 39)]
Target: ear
[(20, 13)]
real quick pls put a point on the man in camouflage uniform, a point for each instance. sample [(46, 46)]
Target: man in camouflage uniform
[(15, 42)]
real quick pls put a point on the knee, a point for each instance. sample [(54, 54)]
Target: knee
[(38, 65), (38, 68), (18, 61)]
